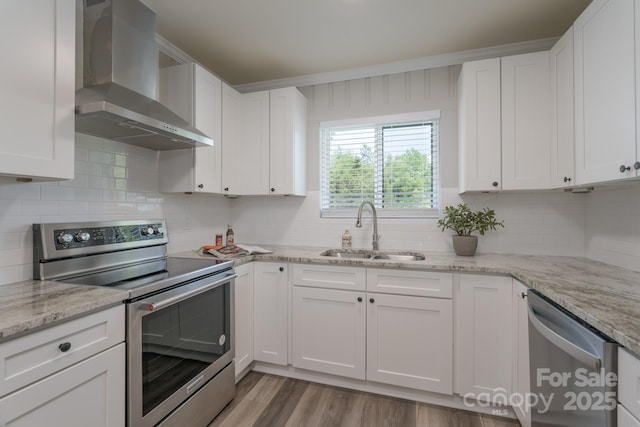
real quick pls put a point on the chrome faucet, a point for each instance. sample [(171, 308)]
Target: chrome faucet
[(375, 222)]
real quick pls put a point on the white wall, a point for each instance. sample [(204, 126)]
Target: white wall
[(112, 181), (612, 231), (542, 223)]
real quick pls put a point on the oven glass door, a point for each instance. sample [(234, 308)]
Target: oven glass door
[(181, 341), (177, 341)]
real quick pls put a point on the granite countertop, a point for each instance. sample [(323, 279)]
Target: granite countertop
[(25, 306), (604, 296)]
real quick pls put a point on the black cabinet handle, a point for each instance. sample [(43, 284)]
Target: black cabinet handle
[(273, 189), (64, 347), (201, 186), (567, 179), (226, 188), (281, 269), (371, 300), (494, 183), (636, 165), (523, 295), (624, 168), (359, 299)]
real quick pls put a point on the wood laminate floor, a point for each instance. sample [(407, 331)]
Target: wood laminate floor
[(264, 400)]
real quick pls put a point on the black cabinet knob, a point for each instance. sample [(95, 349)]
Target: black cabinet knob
[(273, 189), (226, 188), (200, 186), (494, 183), (624, 168), (64, 347), (567, 179), (523, 295), (371, 300), (636, 165), (359, 299), (281, 269)]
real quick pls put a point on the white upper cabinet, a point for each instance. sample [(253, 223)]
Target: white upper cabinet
[(479, 126), (504, 123), (231, 127), (251, 160), (525, 121), (605, 91), (267, 154), (195, 95), (288, 142), (562, 112), (38, 89)]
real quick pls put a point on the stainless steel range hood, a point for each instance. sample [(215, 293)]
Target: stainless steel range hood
[(120, 60)]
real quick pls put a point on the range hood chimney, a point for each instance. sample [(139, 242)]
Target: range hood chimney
[(118, 100)]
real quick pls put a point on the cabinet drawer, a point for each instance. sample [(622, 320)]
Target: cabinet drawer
[(629, 382), (410, 282), (329, 276), (29, 358)]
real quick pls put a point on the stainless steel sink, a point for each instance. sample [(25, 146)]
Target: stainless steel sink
[(341, 253), (366, 254), (400, 256)]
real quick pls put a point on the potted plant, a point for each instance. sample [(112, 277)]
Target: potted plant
[(464, 221)]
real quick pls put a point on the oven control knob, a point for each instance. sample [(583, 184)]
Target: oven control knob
[(83, 236), (147, 231), (65, 238), (159, 230)]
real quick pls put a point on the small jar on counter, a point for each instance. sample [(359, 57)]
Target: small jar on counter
[(346, 239)]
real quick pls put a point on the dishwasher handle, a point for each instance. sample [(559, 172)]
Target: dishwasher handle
[(592, 361)]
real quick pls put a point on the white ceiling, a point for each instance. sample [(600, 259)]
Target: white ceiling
[(248, 41)]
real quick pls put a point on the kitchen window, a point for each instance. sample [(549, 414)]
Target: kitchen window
[(391, 161)]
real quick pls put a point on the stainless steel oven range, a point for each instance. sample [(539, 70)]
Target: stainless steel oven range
[(180, 346)]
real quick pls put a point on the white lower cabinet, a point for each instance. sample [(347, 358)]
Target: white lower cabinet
[(520, 353), (484, 335), (244, 316), (329, 331), (403, 340), (410, 342), (89, 393), (628, 388), (70, 374), (271, 307)]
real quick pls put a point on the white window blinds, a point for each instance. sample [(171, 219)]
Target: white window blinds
[(391, 161)]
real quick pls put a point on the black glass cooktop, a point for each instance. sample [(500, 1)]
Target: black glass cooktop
[(152, 276)]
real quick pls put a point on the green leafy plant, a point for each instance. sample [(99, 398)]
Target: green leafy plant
[(464, 221)]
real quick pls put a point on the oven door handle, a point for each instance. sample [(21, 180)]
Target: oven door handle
[(591, 360), (160, 301)]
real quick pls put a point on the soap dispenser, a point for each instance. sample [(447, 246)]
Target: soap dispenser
[(346, 240)]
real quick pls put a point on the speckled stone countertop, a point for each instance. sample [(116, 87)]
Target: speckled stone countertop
[(25, 306), (605, 296)]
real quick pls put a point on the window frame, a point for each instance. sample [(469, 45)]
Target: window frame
[(383, 121)]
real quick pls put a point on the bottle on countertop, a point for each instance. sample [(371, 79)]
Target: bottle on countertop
[(230, 236), (218, 239), (346, 239)]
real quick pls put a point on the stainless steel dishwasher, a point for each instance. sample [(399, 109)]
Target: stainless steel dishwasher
[(573, 369)]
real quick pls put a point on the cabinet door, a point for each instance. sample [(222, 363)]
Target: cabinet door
[(252, 148), (605, 91), (520, 352), (287, 142), (479, 126), (410, 342), (329, 331), (195, 95), (38, 88), (561, 112), (525, 121), (484, 330), (231, 144), (244, 317), (270, 339), (90, 393)]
